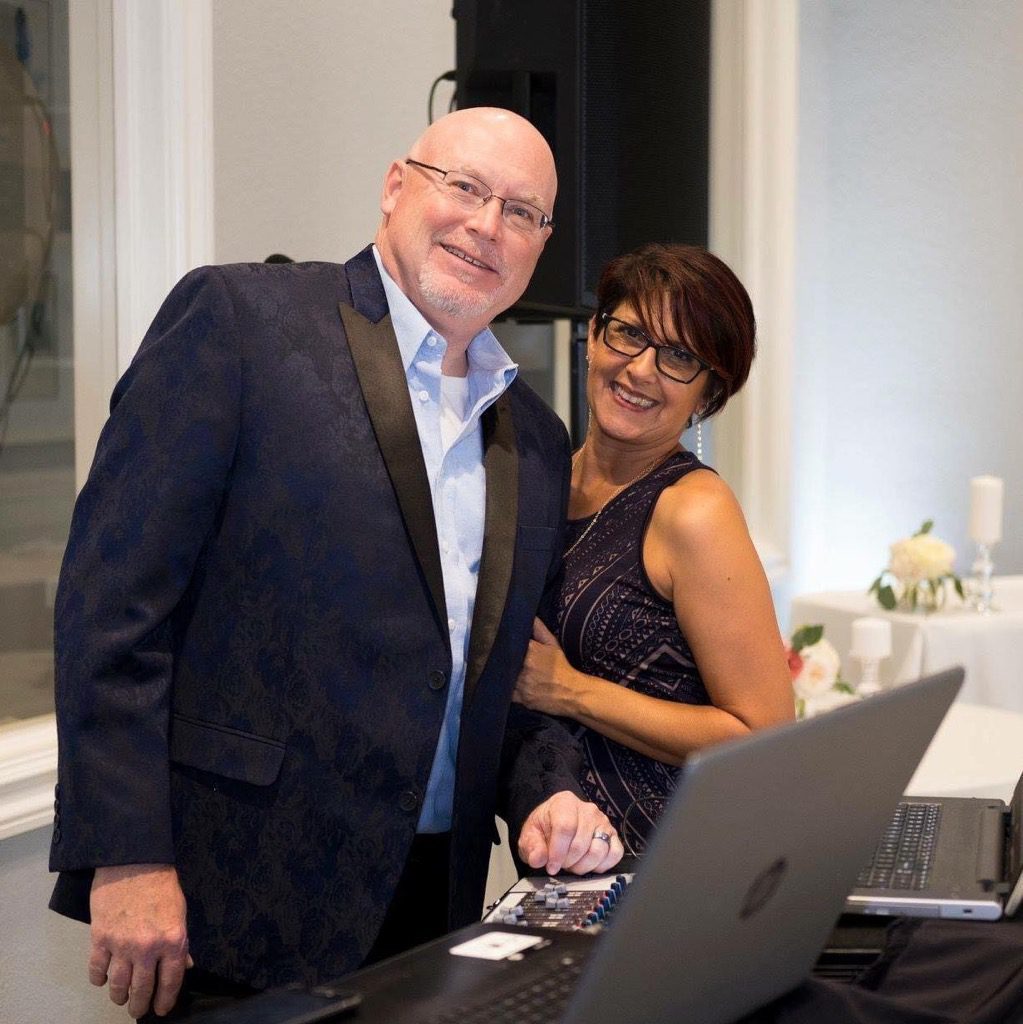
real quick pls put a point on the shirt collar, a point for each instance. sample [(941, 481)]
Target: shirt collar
[(411, 328)]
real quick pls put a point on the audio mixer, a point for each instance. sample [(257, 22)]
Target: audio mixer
[(567, 902)]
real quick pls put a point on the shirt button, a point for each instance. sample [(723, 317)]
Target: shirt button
[(445, 547), (409, 800), (436, 680), (452, 624), (431, 340), (424, 396)]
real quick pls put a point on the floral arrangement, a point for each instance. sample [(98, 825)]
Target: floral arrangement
[(816, 671), (918, 569)]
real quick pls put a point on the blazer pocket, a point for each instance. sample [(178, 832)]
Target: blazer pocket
[(224, 751)]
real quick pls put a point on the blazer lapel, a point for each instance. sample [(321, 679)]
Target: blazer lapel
[(385, 390), (500, 461)]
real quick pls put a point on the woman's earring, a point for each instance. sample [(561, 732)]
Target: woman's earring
[(699, 440)]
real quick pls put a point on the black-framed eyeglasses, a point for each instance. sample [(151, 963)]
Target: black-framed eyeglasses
[(470, 192), (673, 361)]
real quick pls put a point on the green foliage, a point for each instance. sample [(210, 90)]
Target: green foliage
[(884, 592), (806, 636)]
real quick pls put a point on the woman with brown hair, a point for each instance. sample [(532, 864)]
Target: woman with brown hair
[(661, 636)]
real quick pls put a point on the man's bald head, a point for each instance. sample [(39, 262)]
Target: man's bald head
[(523, 141), (462, 266)]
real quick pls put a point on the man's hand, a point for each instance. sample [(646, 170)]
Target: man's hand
[(139, 941), (564, 833)]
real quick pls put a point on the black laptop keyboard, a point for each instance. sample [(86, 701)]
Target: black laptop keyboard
[(540, 1000), (903, 857)]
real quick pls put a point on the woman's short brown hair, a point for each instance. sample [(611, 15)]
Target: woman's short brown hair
[(711, 310)]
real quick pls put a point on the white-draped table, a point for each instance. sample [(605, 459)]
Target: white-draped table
[(989, 647), (977, 751)]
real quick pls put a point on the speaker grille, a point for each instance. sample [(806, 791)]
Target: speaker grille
[(621, 91)]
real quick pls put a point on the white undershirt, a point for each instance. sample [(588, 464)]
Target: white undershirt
[(454, 397)]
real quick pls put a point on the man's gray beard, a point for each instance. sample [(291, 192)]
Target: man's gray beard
[(451, 301)]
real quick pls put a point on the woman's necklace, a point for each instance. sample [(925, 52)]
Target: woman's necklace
[(614, 494)]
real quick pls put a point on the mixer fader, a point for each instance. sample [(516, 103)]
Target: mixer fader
[(568, 903)]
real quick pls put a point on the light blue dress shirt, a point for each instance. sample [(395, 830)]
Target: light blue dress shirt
[(458, 487)]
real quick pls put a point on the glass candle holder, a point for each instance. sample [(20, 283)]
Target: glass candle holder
[(871, 644), (983, 591)]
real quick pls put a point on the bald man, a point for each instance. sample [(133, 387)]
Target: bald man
[(299, 585)]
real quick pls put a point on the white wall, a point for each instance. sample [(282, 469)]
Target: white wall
[(908, 368), (312, 100)]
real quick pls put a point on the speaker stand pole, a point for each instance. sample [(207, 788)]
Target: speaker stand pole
[(579, 410)]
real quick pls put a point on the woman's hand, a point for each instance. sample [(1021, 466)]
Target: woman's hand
[(547, 681)]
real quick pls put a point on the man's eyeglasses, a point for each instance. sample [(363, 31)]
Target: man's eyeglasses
[(672, 360), (472, 193)]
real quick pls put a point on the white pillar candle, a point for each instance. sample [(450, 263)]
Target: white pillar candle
[(986, 509), (871, 638)]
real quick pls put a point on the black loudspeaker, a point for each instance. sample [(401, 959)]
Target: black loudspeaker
[(621, 91)]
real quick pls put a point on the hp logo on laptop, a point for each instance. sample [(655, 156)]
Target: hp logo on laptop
[(763, 888)]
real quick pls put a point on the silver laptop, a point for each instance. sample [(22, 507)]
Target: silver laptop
[(946, 857), (752, 861)]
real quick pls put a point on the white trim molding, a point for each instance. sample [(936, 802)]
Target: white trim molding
[(163, 103), (141, 79), (93, 254), (754, 104), (28, 771)]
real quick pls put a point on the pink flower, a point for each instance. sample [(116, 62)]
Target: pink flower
[(795, 660), (819, 671)]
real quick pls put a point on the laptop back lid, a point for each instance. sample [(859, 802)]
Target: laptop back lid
[(752, 861)]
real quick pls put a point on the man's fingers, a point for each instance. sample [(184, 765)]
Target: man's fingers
[(615, 852), (602, 854), (99, 961), (585, 852), (119, 977), (562, 846), (140, 991), (170, 974), (532, 845)]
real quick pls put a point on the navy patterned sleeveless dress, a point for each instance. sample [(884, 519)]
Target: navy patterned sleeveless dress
[(612, 623)]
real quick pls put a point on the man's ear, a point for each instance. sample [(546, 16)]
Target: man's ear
[(393, 181)]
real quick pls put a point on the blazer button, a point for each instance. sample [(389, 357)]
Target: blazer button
[(56, 835), (409, 800), (437, 680)]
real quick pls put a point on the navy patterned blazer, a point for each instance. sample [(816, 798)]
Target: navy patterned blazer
[(252, 643)]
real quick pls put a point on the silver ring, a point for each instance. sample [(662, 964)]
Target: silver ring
[(606, 836)]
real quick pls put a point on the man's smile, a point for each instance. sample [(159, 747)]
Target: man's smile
[(466, 258)]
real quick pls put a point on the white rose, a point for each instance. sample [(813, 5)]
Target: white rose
[(819, 672), (919, 558), (828, 702)]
